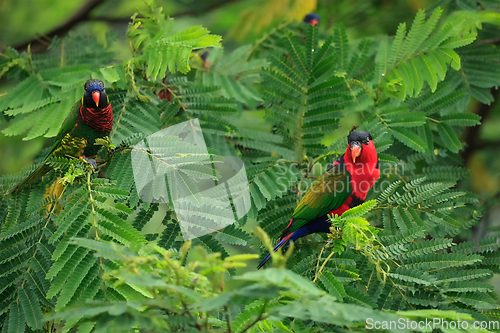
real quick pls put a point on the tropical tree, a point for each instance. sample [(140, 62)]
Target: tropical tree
[(97, 252)]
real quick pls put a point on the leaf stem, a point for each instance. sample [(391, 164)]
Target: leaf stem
[(92, 204), (323, 266), (259, 318), (228, 318)]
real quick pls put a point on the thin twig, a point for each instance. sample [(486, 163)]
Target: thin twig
[(323, 266), (80, 15), (493, 41), (259, 318), (319, 257), (228, 319), (186, 310)]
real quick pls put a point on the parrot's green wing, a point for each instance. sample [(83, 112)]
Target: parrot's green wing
[(66, 127), (328, 192)]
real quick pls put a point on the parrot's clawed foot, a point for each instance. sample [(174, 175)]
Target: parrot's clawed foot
[(90, 161), (114, 149)]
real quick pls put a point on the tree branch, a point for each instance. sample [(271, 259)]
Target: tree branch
[(259, 318), (228, 319), (83, 15), (493, 41)]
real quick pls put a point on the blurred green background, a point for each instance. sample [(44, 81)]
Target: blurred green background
[(37, 22)]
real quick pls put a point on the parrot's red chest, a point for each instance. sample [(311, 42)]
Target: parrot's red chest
[(342, 209), (363, 177), (344, 185), (100, 120)]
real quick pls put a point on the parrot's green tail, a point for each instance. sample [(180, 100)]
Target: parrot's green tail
[(34, 176)]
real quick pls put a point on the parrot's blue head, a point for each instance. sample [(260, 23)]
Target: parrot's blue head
[(94, 95), (312, 19), (361, 147)]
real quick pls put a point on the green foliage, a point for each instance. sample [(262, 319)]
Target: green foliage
[(352, 229), (418, 57), (179, 297), (163, 49), (85, 250), (307, 91), (233, 73)]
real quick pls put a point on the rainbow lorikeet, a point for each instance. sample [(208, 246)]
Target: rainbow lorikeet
[(90, 118), (342, 186)]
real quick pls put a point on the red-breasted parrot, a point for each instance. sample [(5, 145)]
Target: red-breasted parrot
[(90, 118), (342, 186)]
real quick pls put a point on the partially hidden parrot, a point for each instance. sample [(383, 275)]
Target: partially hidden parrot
[(312, 19), (342, 186), (90, 118)]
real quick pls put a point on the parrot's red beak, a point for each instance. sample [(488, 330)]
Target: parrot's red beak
[(355, 151), (313, 22), (96, 96)]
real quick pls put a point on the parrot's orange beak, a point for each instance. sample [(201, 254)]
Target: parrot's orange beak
[(95, 96), (313, 22), (355, 151)]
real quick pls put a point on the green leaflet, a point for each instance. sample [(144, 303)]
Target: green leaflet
[(80, 274), (405, 119), (410, 139), (246, 316), (29, 91), (433, 262), (144, 216), (169, 235), (212, 244), (64, 270), (360, 210), (414, 276), (485, 245), (167, 50), (272, 182), (461, 119), (233, 235), (355, 296), (16, 318), (332, 285), (463, 275), (449, 137), (234, 73), (469, 286), (31, 309), (119, 229), (420, 57)]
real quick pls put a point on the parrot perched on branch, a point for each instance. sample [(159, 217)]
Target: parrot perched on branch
[(89, 119), (342, 186)]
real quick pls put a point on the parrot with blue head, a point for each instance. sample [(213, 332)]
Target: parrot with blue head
[(89, 119)]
